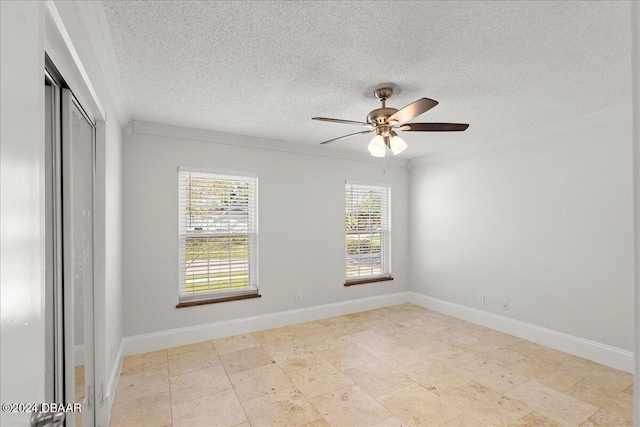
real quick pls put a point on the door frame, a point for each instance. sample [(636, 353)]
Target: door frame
[(59, 48)]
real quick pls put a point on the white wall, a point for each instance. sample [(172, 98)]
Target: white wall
[(301, 229), (22, 203), (545, 223)]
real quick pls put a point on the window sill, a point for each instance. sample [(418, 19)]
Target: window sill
[(217, 300), (365, 281)]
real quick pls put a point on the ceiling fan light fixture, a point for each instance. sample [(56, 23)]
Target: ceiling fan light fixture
[(397, 144), (376, 147)]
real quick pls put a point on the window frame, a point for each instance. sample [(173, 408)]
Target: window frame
[(223, 295), (386, 247)]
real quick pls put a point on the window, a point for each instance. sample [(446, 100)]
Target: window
[(218, 236), (368, 232)]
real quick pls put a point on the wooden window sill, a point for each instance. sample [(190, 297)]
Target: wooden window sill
[(364, 281), (217, 300)]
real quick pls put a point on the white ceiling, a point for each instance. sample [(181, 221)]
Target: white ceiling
[(263, 69)]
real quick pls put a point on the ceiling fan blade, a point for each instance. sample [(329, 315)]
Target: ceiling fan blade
[(413, 110), (434, 127), (347, 136), (346, 122)]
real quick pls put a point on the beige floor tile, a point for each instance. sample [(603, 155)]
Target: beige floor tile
[(134, 386), (395, 355), (416, 340), (480, 392), (319, 379), (533, 419), (191, 361), (489, 336), (606, 419), (241, 360), (350, 406), (344, 355), (552, 404), (378, 378), (552, 376), (450, 355), (79, 383), (485, 405), (428, 325), (323, 340), (196, 384), (244, 424), (280, 343), (220, 409), (145, 362), (416, 406), (541, 353), (285, 408), (584, 366), (618, 403), (451, 337), (369, 339), (270, 334), (390, 422), (291, 358), (317, 423), (562, 379), (303, 330), (363, 317), (256, 382), (378, 350), (343, 325), (204, 345), (148, 411), (151, 357), (497, 354), (610, 379), (491, 375), (234, 343), (463, 421), (436, 377), (387, 327)]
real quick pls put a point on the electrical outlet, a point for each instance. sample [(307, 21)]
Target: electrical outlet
[(505, 304), (298, 298), (481, 299)]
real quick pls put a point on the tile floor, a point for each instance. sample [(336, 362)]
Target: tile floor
[(395, 366), (79, 388)]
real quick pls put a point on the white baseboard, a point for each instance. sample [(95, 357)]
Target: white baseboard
[(112, 384), (78, 355), (193, 334), (601, 353)]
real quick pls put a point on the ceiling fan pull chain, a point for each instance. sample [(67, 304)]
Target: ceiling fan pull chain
[(384, 161)]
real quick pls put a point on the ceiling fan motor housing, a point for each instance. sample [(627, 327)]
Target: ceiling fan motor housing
[(380, 116)]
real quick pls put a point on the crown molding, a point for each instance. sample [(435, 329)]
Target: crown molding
[(92, 16), (178, 132), (601, 117)]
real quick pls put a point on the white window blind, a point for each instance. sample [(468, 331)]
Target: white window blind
[(218, 235), (368, 231)]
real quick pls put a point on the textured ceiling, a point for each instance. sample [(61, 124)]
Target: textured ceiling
[(264, 69)]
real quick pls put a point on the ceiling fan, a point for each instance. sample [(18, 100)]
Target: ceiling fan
[(385, 121)]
